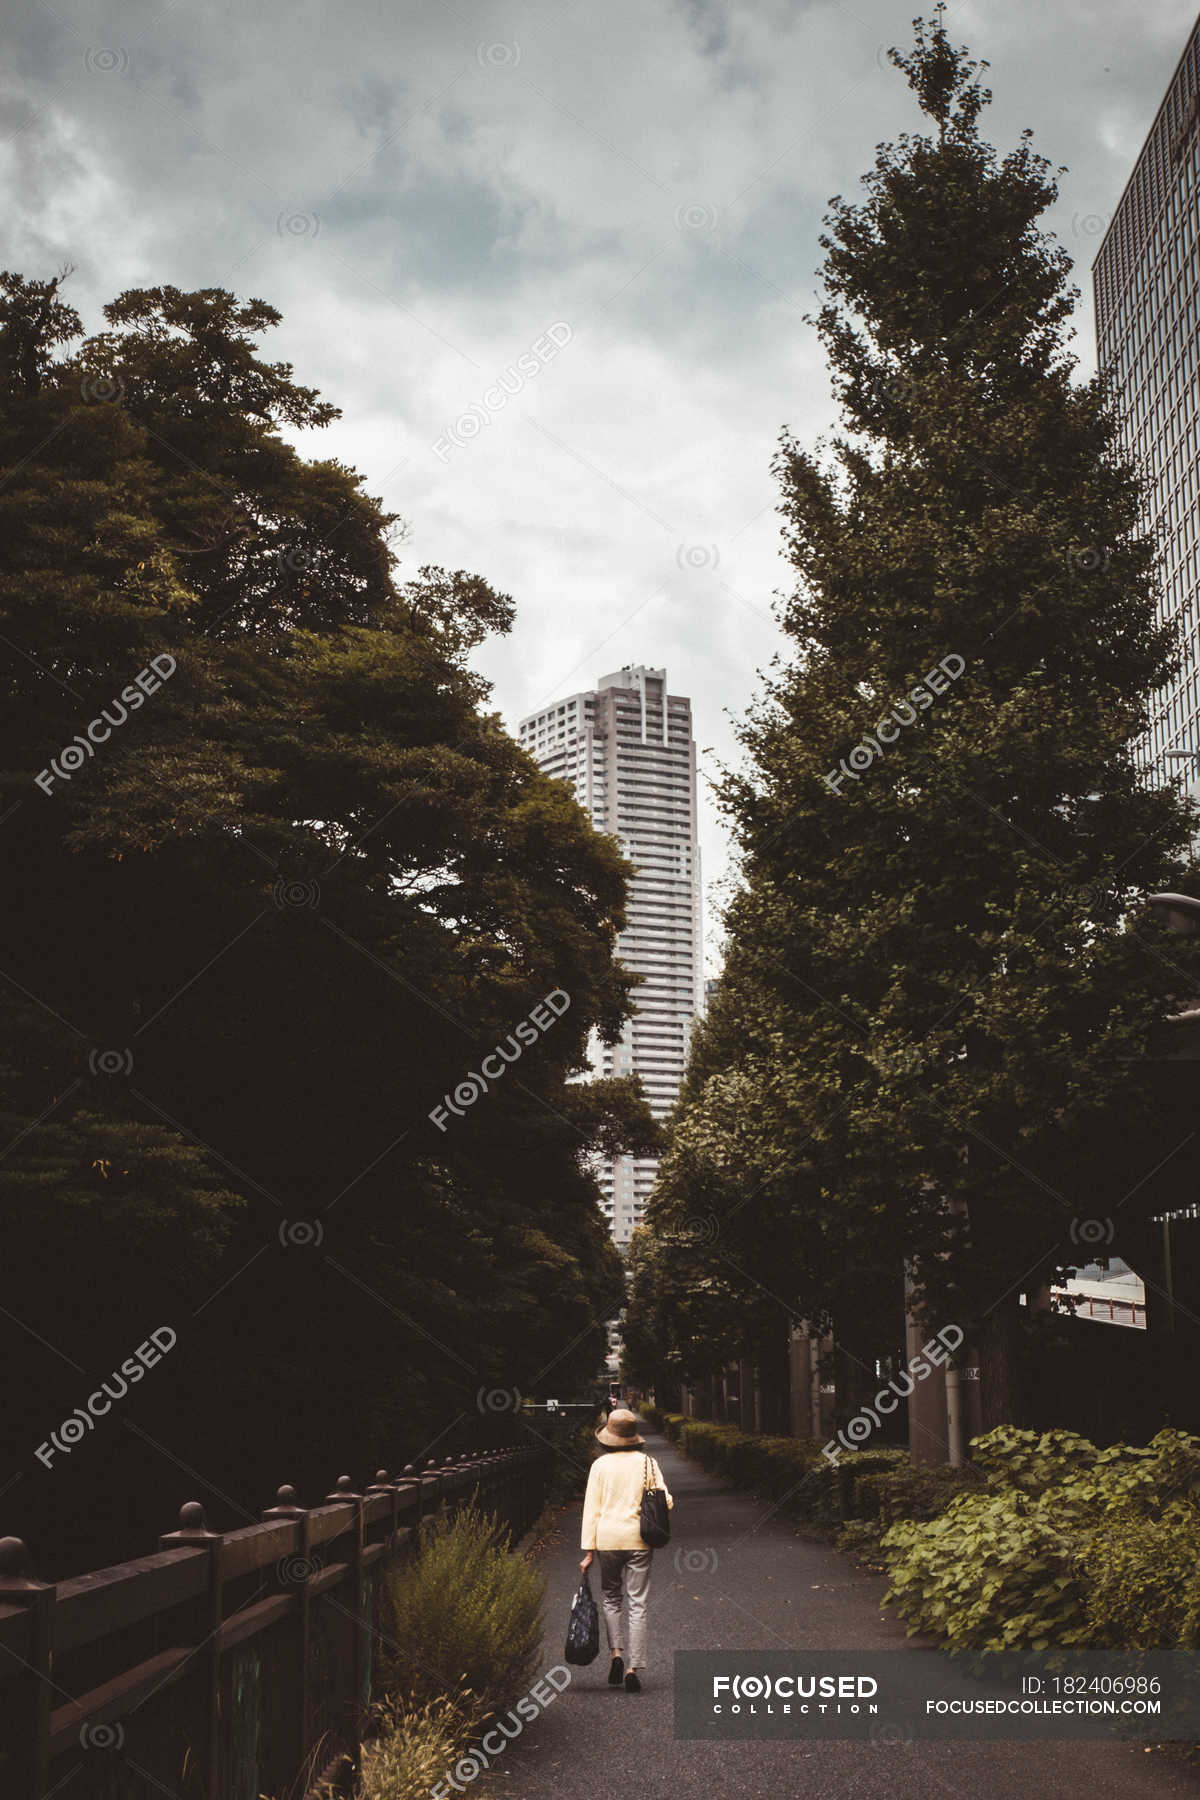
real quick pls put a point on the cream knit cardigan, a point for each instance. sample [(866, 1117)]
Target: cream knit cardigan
[(613, 1503)]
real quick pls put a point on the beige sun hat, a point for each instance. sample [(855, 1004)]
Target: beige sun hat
[(621, 1432)]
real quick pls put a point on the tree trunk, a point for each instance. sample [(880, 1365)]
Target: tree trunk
[(773, 1360), (1000, 1374)]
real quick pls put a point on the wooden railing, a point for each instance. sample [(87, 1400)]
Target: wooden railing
[(226, 1666)]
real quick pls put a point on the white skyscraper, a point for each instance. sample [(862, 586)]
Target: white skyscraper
[(627, 748)]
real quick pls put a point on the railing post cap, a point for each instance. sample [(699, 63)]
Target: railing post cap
[(193, 1525), (286, 1505), (343, 1489), (16, 1567)]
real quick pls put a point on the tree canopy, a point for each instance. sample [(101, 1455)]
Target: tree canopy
[(278, 883)]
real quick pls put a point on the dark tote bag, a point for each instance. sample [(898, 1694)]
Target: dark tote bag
[(655, 1520), (583, 1632)]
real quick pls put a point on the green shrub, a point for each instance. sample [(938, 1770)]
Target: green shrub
[(908, 1491), (1064, 1545), (465, 1616), (789, 1470), (881, 1498), (996, 1571), (1144, 1580)]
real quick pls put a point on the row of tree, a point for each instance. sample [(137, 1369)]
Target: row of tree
[(928, 1050), (278, 884)]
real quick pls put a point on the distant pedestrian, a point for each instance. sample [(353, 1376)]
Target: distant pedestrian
[(612, 1530), (610, 1405)]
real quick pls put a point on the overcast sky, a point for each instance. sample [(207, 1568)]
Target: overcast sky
[(425, 190)]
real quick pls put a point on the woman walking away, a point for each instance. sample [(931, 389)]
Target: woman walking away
[(612, 1530)]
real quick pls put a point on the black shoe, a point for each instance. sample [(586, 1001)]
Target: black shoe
[(632, 1684), (616, 1673)]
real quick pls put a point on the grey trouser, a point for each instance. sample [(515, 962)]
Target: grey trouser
[(626, 1572)]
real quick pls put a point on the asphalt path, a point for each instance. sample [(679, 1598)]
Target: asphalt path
[(737, 1576)]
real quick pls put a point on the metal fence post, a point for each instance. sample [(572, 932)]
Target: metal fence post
[(29, 1747)]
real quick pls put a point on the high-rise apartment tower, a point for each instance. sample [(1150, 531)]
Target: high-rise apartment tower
[(628, 751), (1147, 291)]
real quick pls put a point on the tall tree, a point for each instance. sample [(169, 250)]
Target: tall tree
[(946, 976)]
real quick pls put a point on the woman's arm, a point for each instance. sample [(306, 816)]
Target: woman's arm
[(591, 1513)]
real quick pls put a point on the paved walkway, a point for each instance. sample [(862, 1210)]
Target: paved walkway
[(755, 1584)]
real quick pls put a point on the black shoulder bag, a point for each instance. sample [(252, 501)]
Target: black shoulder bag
[(655, 1520)]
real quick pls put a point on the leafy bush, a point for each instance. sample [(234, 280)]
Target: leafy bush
[(903, 1491), (996, 1571), (1144, 1580), (1064, 1545), (909, 1491), (465, 1616)]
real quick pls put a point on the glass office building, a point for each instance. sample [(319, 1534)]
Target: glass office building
[(1147, 292)]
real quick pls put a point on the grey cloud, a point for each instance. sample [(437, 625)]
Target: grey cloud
[(654, 176)]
